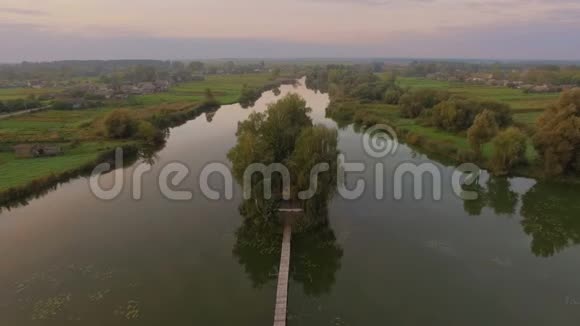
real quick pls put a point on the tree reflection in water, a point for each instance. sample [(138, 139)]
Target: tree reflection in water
[(315, 255), (551, 216), (497, 195), (550, 212)]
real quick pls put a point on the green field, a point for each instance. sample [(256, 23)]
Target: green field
[(526, 107), (17, 93), (226, 88), (17, 172), (50, 125), (85, 125)]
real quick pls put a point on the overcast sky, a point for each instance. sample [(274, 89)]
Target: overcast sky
[(36, 30)]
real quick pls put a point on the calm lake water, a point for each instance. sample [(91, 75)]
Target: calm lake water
[(509, 258)]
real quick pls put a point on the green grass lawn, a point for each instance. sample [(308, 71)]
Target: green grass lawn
[(226, 88), (17, 172), (16, 93)]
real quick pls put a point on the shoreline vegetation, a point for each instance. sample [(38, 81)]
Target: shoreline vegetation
[(461, 123), (89, 137)]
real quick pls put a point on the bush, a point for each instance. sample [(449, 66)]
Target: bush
[(459, 114), (414, 102), (509, 150), (120, 124), (149, 133), (373, 91), (249, 95), (558, 135), (484, 128), (502, 112), (393, 95), (571, 97)]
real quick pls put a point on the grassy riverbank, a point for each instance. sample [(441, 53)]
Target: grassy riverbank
[(453, 146), (81, 132), (431, 140), (18, 172)]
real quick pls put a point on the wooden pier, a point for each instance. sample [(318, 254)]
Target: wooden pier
[(283, 273), (288, 213)]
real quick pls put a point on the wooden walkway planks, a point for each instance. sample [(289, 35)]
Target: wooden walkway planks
[(283, 273)]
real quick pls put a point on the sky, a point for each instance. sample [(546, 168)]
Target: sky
[(33, 30)]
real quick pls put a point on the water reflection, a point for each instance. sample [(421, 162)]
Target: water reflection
[(315, 253), (550, 212), (316, 258), (497, 195), (551, 216)]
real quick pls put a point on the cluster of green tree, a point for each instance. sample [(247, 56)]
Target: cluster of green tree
[(126, 124), (285, 134), (15, 105), (122, 124), (249, 95), (458, 114), (482, 120), (553, 74), (359, 82), (557, 138), (416, 102)]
